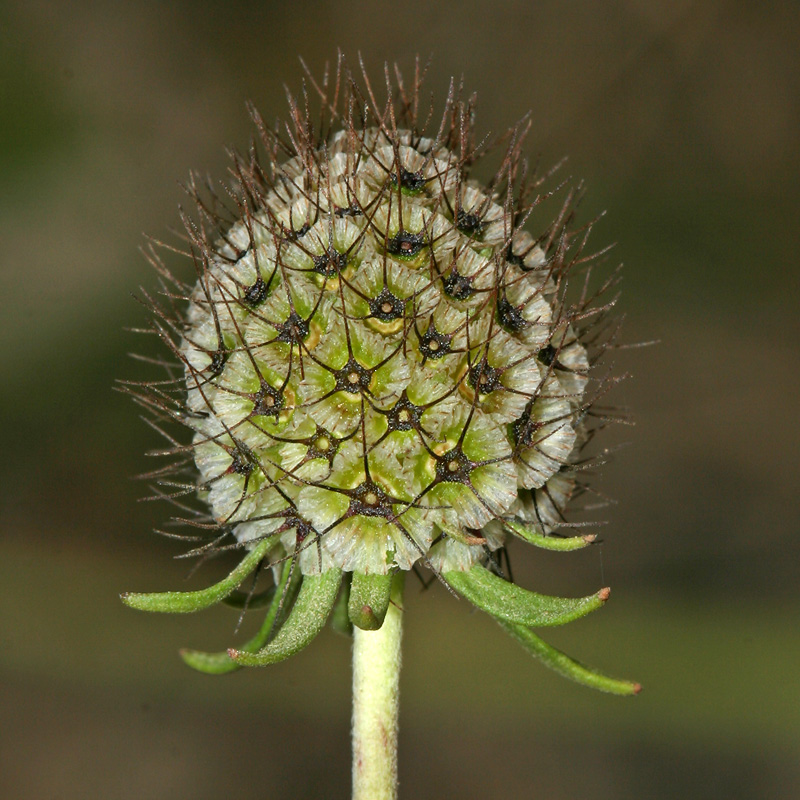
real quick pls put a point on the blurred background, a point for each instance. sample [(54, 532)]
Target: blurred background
[(683, 118)]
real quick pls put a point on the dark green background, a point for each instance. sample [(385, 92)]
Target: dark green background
[(684, 119)]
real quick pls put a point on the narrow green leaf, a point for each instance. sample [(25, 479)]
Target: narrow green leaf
[(369, 599), (340, 621), (307, 618), (566, 666), (548, 542), (512, 603), (185, 602), (241, 600), (283, 595)]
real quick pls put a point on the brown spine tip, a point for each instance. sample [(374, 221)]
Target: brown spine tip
[(590, 538), (233, 653), (637, 687), (604, 594)]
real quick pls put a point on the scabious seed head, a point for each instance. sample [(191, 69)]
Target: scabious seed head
[(378, 373), (379, 365)]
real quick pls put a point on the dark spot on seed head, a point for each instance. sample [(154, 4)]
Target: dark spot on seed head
[(457, 286), (352, 377), (404, 415), (484, 378), (510, 317), (405, 244), (433, 344), (256, 294), (294, 235), (411, 182), (268, 401), (322, 445), (294, 330), (524, 429), (244, 460), (386, 306), (348, 211), (239, 253), (218, 359), (469, 224), (330, 263), (547, 355), (369, 500), (302, 527), (453, 466)]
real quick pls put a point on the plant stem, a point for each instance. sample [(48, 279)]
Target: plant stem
[(376, 694)]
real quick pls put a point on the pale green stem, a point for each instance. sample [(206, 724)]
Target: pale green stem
[(376, 694)]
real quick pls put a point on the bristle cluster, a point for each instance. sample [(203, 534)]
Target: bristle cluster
[(378, 365)]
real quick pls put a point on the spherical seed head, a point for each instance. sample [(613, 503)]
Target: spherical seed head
[(379, 363)]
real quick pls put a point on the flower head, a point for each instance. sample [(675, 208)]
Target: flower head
[(379, 367)]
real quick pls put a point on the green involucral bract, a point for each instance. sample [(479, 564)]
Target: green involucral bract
[(380, 370)]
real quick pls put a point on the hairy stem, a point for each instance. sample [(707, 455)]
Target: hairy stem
[(376, 693)]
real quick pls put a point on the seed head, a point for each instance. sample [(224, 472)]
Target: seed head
[(379, 367)]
